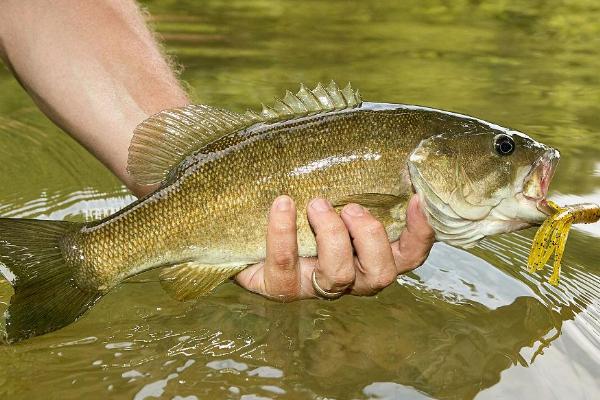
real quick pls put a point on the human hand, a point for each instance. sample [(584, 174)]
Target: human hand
[(284, 276)]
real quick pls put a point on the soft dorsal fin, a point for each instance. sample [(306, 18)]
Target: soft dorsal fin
[(164, 140), (307, 102)]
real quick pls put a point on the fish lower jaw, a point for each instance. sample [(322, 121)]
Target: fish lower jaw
[(453, 226), (510, 215), (532, 210), (514, 214), (492, 226)]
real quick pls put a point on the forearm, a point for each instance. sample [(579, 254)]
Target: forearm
[(93, 67)]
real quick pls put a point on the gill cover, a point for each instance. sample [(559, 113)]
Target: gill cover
[(461, 180)]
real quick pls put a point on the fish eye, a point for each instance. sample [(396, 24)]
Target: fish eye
[(504, 145)]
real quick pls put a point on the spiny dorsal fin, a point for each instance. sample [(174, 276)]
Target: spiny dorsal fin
[(307, 102), (164, 140)]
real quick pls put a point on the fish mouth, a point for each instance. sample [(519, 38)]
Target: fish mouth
[(537, 181)]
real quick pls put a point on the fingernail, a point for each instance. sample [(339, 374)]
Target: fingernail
[(283, 203), (354, 210), (320, 205)]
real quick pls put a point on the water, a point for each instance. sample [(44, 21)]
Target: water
[(465, 325)]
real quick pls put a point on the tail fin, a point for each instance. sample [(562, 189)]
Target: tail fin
[(46, 296)]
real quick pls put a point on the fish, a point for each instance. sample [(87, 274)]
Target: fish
[(218, 172)]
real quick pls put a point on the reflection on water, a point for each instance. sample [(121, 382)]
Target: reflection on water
[(464, 325)]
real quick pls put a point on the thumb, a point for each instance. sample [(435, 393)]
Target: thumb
[(416, 239)]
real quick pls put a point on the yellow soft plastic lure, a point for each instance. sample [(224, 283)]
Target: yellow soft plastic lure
[(551, 237)]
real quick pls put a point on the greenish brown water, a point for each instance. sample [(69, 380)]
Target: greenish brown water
[(465, 325)]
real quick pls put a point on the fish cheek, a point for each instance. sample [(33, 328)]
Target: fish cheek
[(461, 171), (432, 168), (481, 175), (486, 186)]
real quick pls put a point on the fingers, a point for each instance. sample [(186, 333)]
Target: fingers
[(336, 262), (277, 277), (281, 263), (416, 239), (283, 276), (375, 262)]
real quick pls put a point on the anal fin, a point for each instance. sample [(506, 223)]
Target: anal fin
[(191, 280)]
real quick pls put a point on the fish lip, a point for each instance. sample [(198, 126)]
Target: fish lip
[(542, 170), (542, 205)]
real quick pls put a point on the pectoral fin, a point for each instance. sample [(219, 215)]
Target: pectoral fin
[(192, 280), (382, 206)]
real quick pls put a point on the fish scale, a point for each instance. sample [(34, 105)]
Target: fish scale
[(220, 171), (207, 207)]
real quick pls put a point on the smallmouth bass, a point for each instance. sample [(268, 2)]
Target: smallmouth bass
[(220, 171)]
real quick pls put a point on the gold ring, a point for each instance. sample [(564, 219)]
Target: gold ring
[(322, 292)]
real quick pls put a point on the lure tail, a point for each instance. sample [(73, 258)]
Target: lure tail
[(46, 296), (552, 236)]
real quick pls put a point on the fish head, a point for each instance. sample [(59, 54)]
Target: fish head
[(482, 181)]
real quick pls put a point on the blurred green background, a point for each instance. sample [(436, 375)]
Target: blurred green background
[(462, 326)]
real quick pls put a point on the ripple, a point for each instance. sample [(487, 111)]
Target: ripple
[(87, 204), (122, 345), (391, 390), (273, 389), (227, 365), (82, 341), (266, 372), (154, 389), (132, 374), (464, 325)]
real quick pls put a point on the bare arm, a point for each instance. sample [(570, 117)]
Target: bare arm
[(92, 67)]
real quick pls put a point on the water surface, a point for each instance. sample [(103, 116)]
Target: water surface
[(465, 325)]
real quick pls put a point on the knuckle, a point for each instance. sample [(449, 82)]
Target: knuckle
[(343, 276), (283, 258), (383, 280)]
